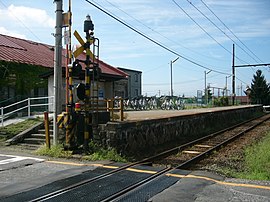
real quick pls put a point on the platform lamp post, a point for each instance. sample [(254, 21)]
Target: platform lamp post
[(205, 87), (248, 92), (226, 85), (172, 61)]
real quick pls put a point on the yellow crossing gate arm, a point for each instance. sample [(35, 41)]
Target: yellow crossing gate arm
[(79, 38), (79, 50)]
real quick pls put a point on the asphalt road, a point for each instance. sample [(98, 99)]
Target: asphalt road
[(20, 173), (23, 172)]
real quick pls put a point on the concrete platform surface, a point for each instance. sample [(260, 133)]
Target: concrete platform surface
[(158, 114), (144, 115)]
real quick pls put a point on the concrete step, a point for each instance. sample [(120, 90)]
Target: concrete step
[(40, 136), (29, 146), (42, 131), (32, 140)]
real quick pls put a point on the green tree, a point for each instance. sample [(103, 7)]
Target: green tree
[(21, 77), (260, 90), (209, 96)]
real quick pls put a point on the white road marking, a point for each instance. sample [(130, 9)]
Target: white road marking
[(13, 159)]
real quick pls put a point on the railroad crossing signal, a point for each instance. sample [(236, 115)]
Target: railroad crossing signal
[(79, 50)]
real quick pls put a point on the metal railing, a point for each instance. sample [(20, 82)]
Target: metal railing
[(115, 104), (24, 105)]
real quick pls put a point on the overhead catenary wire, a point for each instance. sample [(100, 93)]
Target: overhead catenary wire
[(230, 30), (153, 30), (21, 22), (176, 83), (152, 40), (242, 81), (221, 30), (204, 30)]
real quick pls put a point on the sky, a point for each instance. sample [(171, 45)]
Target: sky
[(200, 32)]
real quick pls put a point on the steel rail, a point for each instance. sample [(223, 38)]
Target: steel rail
[(218, 146), (78, 184), (185, 164), (134, 186), (150, 159), (183, 146)]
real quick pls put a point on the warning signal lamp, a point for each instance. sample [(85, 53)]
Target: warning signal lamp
[(76, 68), (81, 91)]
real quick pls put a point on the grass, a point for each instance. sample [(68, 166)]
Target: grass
[(56, 151), (105, 154), (14, 129), (99, 153), (256, 161), (96, 152)]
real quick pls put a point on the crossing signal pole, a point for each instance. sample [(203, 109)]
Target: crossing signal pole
[(91, 62)]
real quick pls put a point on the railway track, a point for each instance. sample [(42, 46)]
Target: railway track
[(118, 183), (185, 155)]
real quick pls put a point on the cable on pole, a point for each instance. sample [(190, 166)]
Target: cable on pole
[(220, 30), (152, 40), (230, 30)]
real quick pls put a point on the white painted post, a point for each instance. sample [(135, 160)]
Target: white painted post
[(2, 115), (29, 107)]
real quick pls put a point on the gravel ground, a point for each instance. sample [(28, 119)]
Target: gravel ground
[(231, 156)]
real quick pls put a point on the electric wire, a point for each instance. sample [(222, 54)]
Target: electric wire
[(150, 70), (21, 22), (205, 30), (148, 27), (241, 81), (150, 39), (230, 30), (181, 82), (221, 30), (175, 83)]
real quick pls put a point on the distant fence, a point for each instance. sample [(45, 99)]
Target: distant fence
[(25, 107)]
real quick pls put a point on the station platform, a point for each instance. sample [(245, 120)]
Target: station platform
[(157, 114), (144, 115)]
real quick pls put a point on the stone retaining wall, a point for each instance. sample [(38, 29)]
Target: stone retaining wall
[(130, 137)]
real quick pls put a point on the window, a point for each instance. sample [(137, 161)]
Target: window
[(136, 92), (136, 77)]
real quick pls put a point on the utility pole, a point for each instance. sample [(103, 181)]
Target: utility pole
[(233, 78), (233, 73), (57, 67)]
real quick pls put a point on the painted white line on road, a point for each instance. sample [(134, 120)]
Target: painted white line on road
[(13, 159)]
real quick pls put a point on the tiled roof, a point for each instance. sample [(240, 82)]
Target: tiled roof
[(28, 52)]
